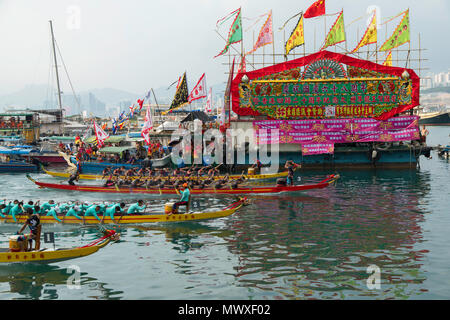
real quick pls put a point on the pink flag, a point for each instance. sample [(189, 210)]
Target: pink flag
[(208, 107), (100, 135), (265, 35), (148, 125), (199, 90)]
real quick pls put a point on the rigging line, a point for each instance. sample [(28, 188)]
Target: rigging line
[(67, 73), (231, 46)]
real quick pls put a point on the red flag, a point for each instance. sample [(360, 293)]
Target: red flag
[(140, 102), (199, 90), (315, 10)]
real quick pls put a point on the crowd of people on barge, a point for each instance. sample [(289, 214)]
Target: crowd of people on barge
[(83, 151)]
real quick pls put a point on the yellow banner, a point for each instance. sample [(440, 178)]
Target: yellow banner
[(297, 37), (370, 36)]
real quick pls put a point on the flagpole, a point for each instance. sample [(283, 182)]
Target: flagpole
[(160, 118), (273, 39)]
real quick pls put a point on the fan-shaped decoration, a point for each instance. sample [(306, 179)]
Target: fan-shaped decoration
[(324, 69)]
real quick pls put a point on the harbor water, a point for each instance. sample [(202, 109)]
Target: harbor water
[(320, 244)]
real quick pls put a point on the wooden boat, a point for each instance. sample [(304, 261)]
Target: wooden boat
[(66, 175), (59, 254), (248, 190), (144, 218)]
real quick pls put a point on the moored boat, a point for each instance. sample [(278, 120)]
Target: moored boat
[(247, 190), (59, 254)]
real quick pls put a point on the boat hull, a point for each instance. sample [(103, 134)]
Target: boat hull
[(139, 219), (49, 255), (237, 191), (17, 167), (442, 119)]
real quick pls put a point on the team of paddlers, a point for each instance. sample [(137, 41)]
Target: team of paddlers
[(194, 177)]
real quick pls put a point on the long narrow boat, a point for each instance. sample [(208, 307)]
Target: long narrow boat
[(59, 254), (247, 190), (144, 218), (99, 177)]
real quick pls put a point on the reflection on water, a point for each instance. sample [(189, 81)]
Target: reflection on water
[(321, 247), (313, 245)]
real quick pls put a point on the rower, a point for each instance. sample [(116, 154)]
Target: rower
[(16, 209), (106, 172), (184, 201), (54, 213), (291, 166), (93, 211), (73, 212), (136, 208), (257, 165), (34, 223), (47, 206), (114, 209)]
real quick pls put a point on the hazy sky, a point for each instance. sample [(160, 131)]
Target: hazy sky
[(135, 44)]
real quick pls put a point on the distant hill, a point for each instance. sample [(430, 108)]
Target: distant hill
[(95, 100), (437, 90)]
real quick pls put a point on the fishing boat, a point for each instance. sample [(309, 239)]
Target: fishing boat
[(58, 254), (247, 190), (10, 161), (144, 218), (264, 176)]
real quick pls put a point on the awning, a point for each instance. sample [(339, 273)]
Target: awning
[(116, 150), (111, 139)]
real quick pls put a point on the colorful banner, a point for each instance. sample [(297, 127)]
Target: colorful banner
[(317, 148), (337, 32), (242, 95), (297, 37), (265, 136), (235, 33), (400, 36), (337, 130), (327, 99), (265, 34), (370, 36)]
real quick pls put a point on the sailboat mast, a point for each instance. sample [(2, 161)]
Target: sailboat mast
[(56, 67)]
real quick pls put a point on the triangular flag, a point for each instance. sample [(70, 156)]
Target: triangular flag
[(100, 135), (316, 9), (235, 33), (181, 95), (242, 66), (199, 90), (337, 32), (208, 107), (297, 37), (140, 103), (265, 34), (400, 35), (148, 125), (370, 36), (388, 61)]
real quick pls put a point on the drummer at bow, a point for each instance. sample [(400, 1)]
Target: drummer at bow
[(34, 223)]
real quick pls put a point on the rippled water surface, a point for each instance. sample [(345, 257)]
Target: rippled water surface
[(317, 244)]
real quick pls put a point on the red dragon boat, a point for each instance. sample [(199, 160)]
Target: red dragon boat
[(248, 190)]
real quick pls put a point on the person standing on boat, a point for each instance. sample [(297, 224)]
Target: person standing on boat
[(34, 223), (136, 208), (74, 177), (291, 167), (185, 195)]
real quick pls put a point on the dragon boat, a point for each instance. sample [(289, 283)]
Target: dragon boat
[(9, 255), (245, 190), (140, 218)]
